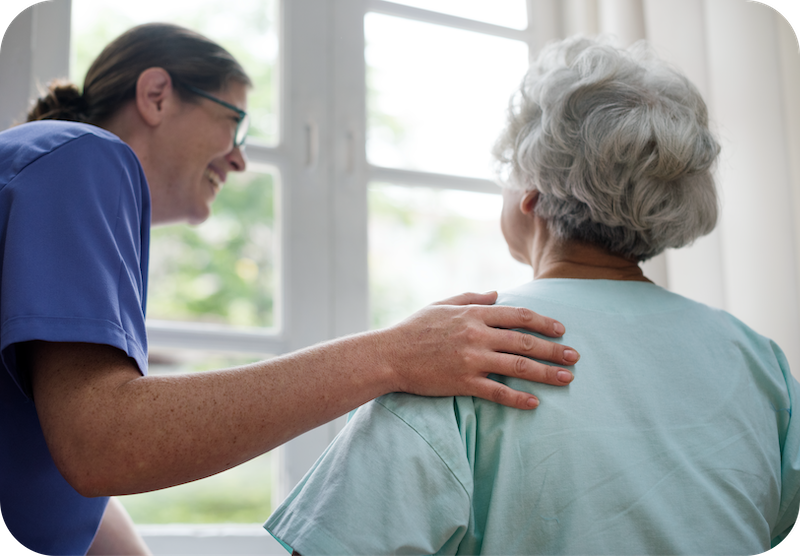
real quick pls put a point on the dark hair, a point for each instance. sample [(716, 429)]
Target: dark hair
[(189, 58)]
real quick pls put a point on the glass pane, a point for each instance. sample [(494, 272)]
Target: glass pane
[(246, 28), (240, 495), (508, 13), (430, 244), (224, 270), (437, 102)]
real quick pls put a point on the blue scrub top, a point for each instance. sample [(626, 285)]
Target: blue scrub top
[(74, 239)]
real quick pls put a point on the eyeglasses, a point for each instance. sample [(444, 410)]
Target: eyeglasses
[(242, 126)]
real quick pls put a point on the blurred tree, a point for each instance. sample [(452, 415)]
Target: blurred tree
[(222, 271)]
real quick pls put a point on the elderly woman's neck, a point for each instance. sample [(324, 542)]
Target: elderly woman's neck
[(552, 258)]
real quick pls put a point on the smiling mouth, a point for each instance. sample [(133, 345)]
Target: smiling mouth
[(215, 179)]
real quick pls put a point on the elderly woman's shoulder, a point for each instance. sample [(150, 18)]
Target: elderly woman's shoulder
[(581, 304), (748, 339)]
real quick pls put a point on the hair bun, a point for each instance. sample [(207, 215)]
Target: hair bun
[(63, 101)]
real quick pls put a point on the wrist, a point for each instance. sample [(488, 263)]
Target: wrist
[(385, 345)]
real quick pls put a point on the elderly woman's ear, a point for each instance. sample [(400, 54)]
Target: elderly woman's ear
[(528, 202)]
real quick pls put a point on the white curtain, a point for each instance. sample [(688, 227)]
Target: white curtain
[(743, 56)]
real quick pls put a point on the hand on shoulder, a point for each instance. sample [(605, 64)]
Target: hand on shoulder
[(450, 348)]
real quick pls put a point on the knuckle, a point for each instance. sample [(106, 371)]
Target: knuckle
[(500, 394), (467, 358), (520, 366), (472, 334), (527, 342), (525, 315)]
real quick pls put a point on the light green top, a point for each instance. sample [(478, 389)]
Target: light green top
[(676, 437)]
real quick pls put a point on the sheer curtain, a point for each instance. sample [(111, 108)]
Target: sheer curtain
[(743, 56)]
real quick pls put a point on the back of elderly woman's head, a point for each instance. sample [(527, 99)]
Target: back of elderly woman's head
[(618, 146)]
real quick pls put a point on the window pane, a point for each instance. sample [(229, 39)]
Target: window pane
[(437, 102), (246, 28), (224, 270), (508, 13), (240, 495), (430, 244)]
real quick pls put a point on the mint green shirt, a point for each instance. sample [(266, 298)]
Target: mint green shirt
[(676, 437)]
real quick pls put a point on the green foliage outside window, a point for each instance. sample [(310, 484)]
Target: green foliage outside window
[(243, 495), (222, 271)]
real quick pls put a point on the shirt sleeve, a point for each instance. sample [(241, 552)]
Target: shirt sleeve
[(790, 456), (74, 261), (383, 487)]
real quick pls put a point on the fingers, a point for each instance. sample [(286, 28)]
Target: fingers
[(520, 367), (497, 392), (519, 317), (520, 343), (470, 298)]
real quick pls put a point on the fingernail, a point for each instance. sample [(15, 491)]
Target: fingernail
[(564, 376), (533, 402), (570, 355), (558, 328)]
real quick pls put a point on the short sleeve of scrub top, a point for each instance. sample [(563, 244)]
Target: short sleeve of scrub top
[(75, 232)]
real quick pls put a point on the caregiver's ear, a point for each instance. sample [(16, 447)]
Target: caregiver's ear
[(153, 89)]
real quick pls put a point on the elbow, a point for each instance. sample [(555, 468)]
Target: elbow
[(90, 480), (90, 458), (91, 485), (85, 468), (83, 475), (88, 488)]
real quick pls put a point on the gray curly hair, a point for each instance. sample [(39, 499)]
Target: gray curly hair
[(617, 144)]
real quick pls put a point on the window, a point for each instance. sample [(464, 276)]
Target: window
[(434, 107)]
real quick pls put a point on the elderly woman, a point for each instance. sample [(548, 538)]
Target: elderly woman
[(678, 437)]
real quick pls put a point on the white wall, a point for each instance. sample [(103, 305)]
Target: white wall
[(35, 50)]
